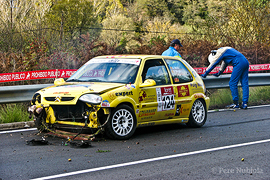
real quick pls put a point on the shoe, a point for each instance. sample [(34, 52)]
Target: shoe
[(233, 105), (244, 106)]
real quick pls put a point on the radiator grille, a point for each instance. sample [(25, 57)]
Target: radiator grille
[(62, 99), (72, 113)]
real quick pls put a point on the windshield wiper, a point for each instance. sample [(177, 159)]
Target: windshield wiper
[(86, 80), (75, 80), (94, 80)]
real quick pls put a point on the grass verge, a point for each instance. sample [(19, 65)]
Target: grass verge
[(219, 98), (14, 113)]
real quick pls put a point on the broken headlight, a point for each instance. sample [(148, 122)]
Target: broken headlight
[(91, 99)]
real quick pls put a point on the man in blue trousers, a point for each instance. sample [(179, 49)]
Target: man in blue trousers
[(173, 49), (229, 55)]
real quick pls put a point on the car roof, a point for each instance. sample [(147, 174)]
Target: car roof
[(137, 56)]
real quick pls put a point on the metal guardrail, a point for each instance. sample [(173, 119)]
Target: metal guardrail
[(24, 93), (254, 79)]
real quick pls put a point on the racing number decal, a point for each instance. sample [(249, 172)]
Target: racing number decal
[(165, 98), (168, 102)]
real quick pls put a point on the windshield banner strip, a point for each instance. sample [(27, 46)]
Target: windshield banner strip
[(123, 61)]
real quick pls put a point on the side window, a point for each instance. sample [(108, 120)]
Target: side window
[(180, 73), (156, 70)]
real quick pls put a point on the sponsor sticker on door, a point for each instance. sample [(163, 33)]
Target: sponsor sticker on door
[(183, 91)]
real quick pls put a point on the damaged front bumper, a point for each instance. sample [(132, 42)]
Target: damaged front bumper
[(82, 121)]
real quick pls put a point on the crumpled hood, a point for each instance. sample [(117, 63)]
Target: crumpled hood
[(80, 88)]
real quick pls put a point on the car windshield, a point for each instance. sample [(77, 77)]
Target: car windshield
[(107, 70)]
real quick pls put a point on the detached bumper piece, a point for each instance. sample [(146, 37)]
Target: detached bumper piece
[(72, 136)]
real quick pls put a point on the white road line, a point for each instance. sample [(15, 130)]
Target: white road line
[(267, 105), (151, 160), (18, 130), (249, 107)]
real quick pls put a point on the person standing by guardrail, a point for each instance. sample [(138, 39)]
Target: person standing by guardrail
[(175, 45), (228, 55)]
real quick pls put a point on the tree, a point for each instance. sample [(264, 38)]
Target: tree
[(158, 27), (107, 8), (245, 22), (157, 8), (19, 16), (195, 13), (117, 30), (71, 17), (176, 7)]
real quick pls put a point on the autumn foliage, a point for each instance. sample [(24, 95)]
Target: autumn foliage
[(36, 57)]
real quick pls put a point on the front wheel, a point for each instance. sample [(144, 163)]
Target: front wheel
[(198, 114), (122, 123)]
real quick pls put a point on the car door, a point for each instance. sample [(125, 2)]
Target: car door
[(182, 79), (156, 102)]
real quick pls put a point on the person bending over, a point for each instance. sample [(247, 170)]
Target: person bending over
[(228, 55)]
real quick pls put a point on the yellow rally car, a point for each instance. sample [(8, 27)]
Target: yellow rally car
[(117, 94)]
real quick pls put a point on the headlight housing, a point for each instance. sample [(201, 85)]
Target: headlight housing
[(91, 99)]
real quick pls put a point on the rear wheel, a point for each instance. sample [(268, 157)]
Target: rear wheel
[(122, 123), (198, 114)]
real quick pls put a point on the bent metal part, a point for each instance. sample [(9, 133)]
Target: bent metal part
[(59, 133)]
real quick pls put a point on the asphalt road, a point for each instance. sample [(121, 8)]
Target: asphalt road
[(231, 145)]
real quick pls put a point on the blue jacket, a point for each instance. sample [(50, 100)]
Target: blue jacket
[(171, 52)]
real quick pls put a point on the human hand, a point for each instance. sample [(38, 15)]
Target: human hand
[(217, 74), (204, 75)]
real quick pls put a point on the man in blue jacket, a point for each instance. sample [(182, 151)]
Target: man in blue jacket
[(173, 49), (229, 55)]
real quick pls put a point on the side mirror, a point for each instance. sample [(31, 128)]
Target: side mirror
[(148, 83), (59, 81)]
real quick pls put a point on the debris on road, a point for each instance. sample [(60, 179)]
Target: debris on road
[(36, 142), (80, 144)]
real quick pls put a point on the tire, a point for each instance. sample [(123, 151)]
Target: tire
[(198, 114), (122, 123)]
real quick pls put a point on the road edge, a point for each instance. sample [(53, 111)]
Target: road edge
[(17, 125)]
